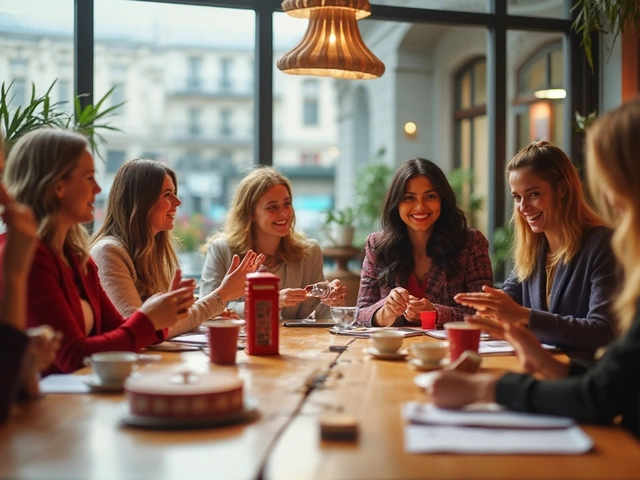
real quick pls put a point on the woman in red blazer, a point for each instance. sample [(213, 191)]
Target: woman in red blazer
[(52, 172)]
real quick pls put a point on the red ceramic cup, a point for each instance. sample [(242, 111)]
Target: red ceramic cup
[(462, 336), (223, 340), (428, 320)]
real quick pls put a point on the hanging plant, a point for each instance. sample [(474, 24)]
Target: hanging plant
[(603, 16)]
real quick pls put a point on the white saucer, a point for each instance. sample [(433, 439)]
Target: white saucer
[(249, 412), (427, 367), (145, 358), (97, 385), (375, 353)]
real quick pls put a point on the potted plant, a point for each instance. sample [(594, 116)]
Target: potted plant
[(40, 111), (340, 226), (191, 233)]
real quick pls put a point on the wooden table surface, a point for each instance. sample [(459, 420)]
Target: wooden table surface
[(75, 436)]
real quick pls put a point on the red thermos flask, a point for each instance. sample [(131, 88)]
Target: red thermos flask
[(262, 313)]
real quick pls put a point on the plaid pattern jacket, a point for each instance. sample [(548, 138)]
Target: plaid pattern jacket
[(474, 271)]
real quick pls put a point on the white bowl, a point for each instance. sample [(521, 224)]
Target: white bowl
[(429, 352), (387, 341)]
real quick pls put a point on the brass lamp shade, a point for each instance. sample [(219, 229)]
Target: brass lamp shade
[(332, 45), (303, 8)]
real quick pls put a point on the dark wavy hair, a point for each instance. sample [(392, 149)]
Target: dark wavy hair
[(447, 238)]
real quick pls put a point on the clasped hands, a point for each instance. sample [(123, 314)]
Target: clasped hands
[(401, 303)]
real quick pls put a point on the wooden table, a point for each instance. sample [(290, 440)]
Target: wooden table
[(80, 437)]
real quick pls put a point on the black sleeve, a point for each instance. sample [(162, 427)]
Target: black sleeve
[(13, 345)]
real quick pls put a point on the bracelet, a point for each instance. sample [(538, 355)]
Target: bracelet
[(217, 298)]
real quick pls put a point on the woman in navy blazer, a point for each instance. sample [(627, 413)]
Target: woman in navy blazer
[(564, 269), (611, 388)]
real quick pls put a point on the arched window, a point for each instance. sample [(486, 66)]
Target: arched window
[(471, 134), (539, 105)]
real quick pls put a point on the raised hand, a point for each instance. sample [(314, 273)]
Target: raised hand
[(166, 309), (291, 296), (337, 294), (495, 304), (232, 285)]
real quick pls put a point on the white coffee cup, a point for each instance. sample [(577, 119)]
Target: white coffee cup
[(387, 341), (429, 352), (112, 367)]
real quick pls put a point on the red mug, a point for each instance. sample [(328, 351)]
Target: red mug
[(428, 320), (462, 336), (223, 340)]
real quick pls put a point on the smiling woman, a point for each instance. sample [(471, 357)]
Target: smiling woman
[(261, 217), (135, 248), (563, 273), (420, 215)]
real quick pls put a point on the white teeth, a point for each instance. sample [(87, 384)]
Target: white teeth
[(534, 217)]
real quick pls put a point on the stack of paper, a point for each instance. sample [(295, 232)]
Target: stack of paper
[(490, 429), (364, 332)]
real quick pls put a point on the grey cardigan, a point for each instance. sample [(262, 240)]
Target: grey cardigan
[(579, 305), (293, 275)]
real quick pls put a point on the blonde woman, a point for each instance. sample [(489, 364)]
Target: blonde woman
[(52, 172), (612, 387), (564, 269), (134, 248), (261, 218)]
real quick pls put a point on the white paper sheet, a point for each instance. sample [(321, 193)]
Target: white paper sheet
[(61, 383), (501, 346), (458, 438), (485, 415)]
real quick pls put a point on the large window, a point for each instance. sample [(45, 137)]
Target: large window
[(471, 132), (539, 105), (189, 72)]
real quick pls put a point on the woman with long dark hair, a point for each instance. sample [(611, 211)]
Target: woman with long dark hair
[(425, 253)]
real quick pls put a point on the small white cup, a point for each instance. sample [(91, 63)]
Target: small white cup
[(387, 341), (112, 367), (429, 352)]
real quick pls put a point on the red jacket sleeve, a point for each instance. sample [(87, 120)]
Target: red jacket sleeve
[(54, 299)]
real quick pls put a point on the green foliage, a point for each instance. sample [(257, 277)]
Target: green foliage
[(461, 182), (345, 216), (502, 241), (192, 231), (41, 112), (603, 16), (583, 122), (371, 187)]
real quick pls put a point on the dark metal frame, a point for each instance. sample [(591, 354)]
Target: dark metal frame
[(582, 91)]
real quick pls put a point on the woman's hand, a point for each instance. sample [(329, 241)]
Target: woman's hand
[(394, 306), (178, 282), (166, 309), (292, 296), (337, 294), (495, 304), (415, 306), (44, 343), (451, 389), (232, 285), (532, 357)]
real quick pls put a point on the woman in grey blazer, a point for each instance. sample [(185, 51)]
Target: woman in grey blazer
[(261, 217), (564, 269)]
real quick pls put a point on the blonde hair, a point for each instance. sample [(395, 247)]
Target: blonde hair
[(239, 228), (136, 187), (37, 162), (613, 143), (572, 212)]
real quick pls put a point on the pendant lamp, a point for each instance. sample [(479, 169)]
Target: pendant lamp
[(332, 45)]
